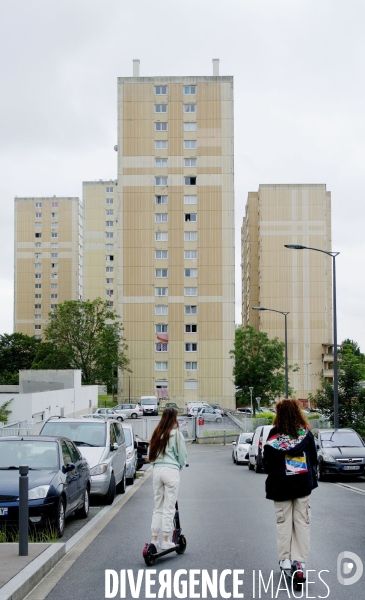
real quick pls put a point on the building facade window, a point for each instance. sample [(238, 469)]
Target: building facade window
[(161, 291), (190, 217), (54, 254), (190, 180), (54, 286), (160, 126), (161, 273), (54, 215), (37, 326), (191, 328), (189, 108), (38, 276), (109, 190), (161, 218), (54, 296), (37, 265), (190, 162), (189, 144), (54, 245), (190, 272), (191, 366), (54, 235), (109, 269), (160, 180), (160, 199), (191, 347), (160, 162), (54, 265), (54, 225), (161, 90), (109, 223), (190, 236), (190, 254), (161, 347), (190, 384), (38, 317), (109, 280), (191, 310), (161, 328), (161, 365), (109, 292), (54, 204), (190, 199), (38, 244), (161, 254), (38, 215), (54, 275), (37, 306), (161, 236), (190, 291), (109, 200), (109, 234), (161, 144), (160, 108), (189, 90), (109, 257), (38, 204), (109, 247), (37, 296), (53, 306), (38, 225), (161, 309), (190, 126), (109, 212)]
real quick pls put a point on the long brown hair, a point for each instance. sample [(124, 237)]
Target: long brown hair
[(160, 436), (289, 417)]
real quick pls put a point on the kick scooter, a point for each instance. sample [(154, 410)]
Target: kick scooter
[(150, 553), (295, 576)]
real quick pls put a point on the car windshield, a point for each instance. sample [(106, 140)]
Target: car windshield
[(148, 401), (243, 438), (81, 433), (128, 437), (345, 439), (33, 453)]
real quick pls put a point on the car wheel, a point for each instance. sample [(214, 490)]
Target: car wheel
[(83, 512), (320, 475), (256, 467), (60, 518), (250, 467), (110, 495), (219, 420), (134, 415), (233, 458), (123, 483), (120, 419)]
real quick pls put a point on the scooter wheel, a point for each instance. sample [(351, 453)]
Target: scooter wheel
[(148, 551), (182, 545)]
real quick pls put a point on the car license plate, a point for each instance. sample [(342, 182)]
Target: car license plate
[(4, 512), (352, 468)]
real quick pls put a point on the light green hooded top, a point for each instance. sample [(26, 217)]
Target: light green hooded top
[(175, 454)]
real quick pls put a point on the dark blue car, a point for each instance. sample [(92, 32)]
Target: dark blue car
[(59, 480)]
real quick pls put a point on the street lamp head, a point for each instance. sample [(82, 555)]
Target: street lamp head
[(251, 389), (295, 246), (258, 308)]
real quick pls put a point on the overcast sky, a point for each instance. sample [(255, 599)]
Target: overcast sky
[(298, 68)]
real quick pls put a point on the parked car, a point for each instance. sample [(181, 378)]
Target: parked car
[(171, 405), (129, 411), (209, 414), (149, 405), (131, 453), (102, 443), (108, 413), (218, 408), (183, 426), (256, 449), (93, 416), (340, 452), (59, 480), (142, 451), (240, 448), (195, 405), (246, 411)]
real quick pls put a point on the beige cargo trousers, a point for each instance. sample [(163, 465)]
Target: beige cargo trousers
[(293, 528)]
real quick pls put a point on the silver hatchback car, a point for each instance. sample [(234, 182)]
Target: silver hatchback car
[(102, 443)]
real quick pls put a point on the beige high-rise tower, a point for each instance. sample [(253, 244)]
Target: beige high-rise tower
[(176, 234), (48, 259), (298, 282)]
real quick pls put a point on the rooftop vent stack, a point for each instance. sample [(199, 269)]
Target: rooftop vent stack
[(215, 67), (136, 62)]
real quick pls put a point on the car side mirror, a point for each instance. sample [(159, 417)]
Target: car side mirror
[(114, 446), (249, 441), (135, 444), (234, 443), (68, 467), (318, 446)]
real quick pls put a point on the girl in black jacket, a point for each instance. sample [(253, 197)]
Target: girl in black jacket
[(290, 459)]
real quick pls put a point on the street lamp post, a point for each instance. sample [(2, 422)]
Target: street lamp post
[(335, 362), (286, 344), (258, 400), (251, 390)]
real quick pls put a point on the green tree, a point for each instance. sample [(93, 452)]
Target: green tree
[(84, 335), (259, 362), (4, 411), (351, 394), (17, 352)]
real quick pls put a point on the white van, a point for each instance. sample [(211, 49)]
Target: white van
[(256, 450), (149, 405), (195, 405)]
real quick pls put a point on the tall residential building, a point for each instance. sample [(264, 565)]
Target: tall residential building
[(100, 240), (48, 259), (176, 234), (298, 282)]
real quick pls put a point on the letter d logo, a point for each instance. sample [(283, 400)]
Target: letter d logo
[(345, 568)]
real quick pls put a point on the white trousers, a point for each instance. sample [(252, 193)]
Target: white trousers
[(165, 486), (293, 528)]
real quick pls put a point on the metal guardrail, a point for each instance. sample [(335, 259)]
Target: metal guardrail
[(18, 428)]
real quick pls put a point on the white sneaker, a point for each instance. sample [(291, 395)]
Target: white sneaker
[(167, 545), (285, 564), (156, 543)]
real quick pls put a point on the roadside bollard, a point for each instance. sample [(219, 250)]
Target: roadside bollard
[(23, 510), (224, 437)]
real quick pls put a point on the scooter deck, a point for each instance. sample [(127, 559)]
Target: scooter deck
[(292, 577), (164, 552)]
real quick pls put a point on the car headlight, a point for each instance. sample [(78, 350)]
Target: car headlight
[(99, 469), (328, 458), (241, 447), (129, 452), (38, 492)]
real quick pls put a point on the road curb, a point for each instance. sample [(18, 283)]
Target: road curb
[(28, 578), (23, 583)]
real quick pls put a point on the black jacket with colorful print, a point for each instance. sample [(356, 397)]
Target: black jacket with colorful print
[(290, 464)]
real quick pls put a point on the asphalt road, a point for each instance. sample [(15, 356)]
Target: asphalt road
[(228, 524)]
